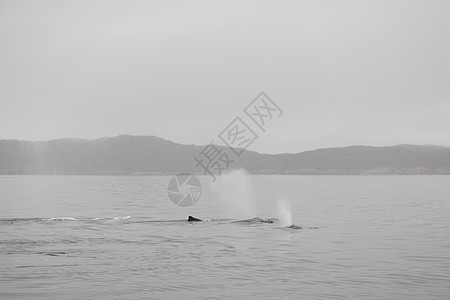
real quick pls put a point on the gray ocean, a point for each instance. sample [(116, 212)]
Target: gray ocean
[(120, 237)]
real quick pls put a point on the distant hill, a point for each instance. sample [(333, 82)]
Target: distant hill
[(152, 155)]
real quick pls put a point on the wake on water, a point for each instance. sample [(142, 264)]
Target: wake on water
[(235, 193), (130, 220)]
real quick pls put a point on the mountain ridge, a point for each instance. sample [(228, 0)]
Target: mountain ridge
[(152, 155)]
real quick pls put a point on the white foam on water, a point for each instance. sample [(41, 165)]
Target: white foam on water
[(234, 189), (284, 212), (63, 219), (122, 218)]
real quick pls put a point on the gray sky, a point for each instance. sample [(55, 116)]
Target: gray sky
[(344, 72)]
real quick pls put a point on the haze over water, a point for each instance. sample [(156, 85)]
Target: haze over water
[(111, 237)]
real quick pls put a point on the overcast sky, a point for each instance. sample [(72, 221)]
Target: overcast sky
[(344, 72)]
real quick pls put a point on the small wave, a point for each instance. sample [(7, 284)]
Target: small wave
[(52, 253), (63, 219), (21, 220), (116, 220), (293, 226), (122, 218)]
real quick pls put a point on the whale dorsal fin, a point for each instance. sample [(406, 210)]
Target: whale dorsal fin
[(192, 219)]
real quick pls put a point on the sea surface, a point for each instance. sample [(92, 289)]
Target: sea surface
[(120, 237)]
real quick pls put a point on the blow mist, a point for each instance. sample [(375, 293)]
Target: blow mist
[(235, 193), (284, 213)]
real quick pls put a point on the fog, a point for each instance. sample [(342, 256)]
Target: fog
[(344, 73)]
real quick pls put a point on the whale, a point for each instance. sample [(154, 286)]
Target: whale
[(246, 221), (192, 219), (256, 220)]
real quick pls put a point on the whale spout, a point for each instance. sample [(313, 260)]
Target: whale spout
[(192, 219)]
